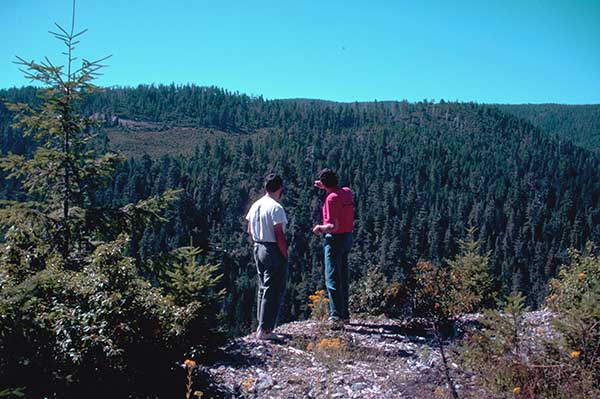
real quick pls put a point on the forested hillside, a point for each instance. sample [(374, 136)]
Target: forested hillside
[(578, 123), (421, 173)]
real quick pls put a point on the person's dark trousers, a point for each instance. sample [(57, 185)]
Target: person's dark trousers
[(271, 267), (337, 248)]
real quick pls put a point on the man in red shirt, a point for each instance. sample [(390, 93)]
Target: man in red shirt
[(337, 226)]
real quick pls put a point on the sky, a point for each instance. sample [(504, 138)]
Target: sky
[(489, 51)]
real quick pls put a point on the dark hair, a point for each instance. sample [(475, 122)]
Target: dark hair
[(273, 182), (328, 178)]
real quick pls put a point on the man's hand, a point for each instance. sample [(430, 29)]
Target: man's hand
[(323, 228), (319, 184)]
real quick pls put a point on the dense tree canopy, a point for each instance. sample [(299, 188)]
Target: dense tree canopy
[(579, 123)]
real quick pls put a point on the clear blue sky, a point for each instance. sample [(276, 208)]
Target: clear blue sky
[(485, 51)]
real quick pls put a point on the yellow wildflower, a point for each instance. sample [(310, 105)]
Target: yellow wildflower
[(575, 354), (516, 390), (189, 363)]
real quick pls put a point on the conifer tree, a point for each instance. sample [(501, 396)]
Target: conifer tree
[(64, 173), (471, 282), (189, 281), (77, 318), (499, 347)]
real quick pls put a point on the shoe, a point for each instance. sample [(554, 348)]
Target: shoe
[(267, 336), (335, 323)]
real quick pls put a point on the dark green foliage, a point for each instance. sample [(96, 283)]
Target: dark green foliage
[(369, 294), (103, 327), (470, 277), (577, 123), (197, 287), (575, 297), (78, 316), (188, 281), (497, 353), (512, 355), (463, 286)]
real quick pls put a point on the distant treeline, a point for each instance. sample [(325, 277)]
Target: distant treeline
[(579, 123)]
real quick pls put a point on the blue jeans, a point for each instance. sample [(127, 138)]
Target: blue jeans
[(271, 267), (337, 247)]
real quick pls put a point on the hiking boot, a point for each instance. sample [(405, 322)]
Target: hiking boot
[(267, 336), (335, 323)]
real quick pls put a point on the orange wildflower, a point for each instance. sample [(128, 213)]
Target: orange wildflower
[(516, 390), (575, 354), (189, 363), (248, 383)]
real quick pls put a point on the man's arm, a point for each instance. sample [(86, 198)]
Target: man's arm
[(280, 238), (330, 221), (325, 228)]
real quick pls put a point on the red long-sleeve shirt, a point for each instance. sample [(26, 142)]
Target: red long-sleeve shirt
[(339, 210)]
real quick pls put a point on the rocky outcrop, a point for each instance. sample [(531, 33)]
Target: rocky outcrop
[(369, 358), (376, 358)]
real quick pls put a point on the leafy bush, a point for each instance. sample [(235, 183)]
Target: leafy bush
[(575, 298), (62, 330), (369, 294), (471, 282), (510, 357), (444, 292), (397, 295), (499, 347)]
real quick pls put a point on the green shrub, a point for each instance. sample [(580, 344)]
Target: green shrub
[(64, 332), (471, 283), (397, 295), (369, 294), (510, 357)]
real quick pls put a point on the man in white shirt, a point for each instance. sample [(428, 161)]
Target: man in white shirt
[(266, 222)]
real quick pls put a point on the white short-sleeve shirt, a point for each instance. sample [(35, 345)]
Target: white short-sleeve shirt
[(263, 215)]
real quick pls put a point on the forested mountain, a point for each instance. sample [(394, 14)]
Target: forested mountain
[(578, 123), (421, 173)]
